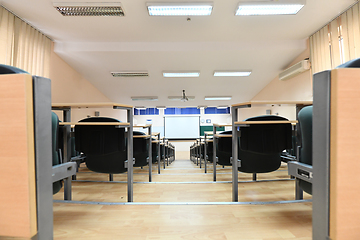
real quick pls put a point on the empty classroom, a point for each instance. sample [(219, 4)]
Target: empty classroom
[(179, 119)]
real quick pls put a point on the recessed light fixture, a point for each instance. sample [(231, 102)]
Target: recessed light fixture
[(279, 7), (130, 74), (222, 107), (160, 107), (89, 9), (179, 9), (140, 107), (144, 98), (181, 74), (232, 73), (213, 98)]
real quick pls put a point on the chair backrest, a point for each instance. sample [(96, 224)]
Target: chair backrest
[(261, 145), (104, 146), (305, 122), (210, 151), (224, 149), (141, 149), (154, 151), (55, 147), (266, 138), (6, 69)]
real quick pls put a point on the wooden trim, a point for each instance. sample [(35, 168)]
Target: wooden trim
[(222, 125), (95, 123), (89, 105), (241, 104), (222, 135), (276, 102), (142, 126), (264, 122), (17, 172), (344, 154), (141, 136)]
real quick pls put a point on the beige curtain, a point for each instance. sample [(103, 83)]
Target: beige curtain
[(23, 46), (6, 36), (338, 42)]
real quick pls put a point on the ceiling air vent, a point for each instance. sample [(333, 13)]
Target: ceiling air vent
[(89, 9), (294, 70), (130, 74)]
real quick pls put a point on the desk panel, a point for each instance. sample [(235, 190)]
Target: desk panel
[(17, 170), (344, 154)]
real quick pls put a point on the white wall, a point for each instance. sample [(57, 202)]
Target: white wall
[(158, 120)]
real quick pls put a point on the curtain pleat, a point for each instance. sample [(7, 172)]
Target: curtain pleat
[(338, 42), (23, 46)]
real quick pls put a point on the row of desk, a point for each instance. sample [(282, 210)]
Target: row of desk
[(66, 111)]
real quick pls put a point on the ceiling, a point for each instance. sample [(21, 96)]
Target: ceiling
[(96, 46)]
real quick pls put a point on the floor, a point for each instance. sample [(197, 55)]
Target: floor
[(182, 203)]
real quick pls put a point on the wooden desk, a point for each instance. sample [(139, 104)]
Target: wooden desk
[(66, 109), (235, 123)]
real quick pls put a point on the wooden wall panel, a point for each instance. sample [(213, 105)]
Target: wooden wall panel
[(17, 161), (345, 155)]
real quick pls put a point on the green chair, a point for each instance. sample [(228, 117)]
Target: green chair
[(55, 148), (302, 169), (305, 120)]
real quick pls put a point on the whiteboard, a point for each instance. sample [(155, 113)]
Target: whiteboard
[(182, 127)]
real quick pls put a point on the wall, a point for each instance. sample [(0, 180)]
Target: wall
[(181, 147), (68, 86), (297, 88)]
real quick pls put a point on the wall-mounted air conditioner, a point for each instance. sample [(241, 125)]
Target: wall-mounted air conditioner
[(294, 70)]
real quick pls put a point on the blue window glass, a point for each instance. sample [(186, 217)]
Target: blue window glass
[(214, 110), (180, 111), (148, 111), (190, 111), (169, 111)]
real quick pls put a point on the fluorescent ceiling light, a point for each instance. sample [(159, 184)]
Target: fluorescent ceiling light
[(160, 107), (279, 7), (89, 9), (181, 74), (202, 107), (218, 98), (232, 73), (140, 108), (130, 74), (179, 9), (144, 98), (222, 107)]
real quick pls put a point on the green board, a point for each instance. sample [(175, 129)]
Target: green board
[(209, 128)]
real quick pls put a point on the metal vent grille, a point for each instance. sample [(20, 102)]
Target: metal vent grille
[(130, 74), (90, 9)]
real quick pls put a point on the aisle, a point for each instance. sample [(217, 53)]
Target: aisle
[(182, 181), (181, 203)]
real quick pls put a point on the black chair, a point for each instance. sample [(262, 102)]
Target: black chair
[(305, 122), (60, 170), (224, 149), (141, 149), (155, 151), (261, 145), (55, 148), (103, 145), (209, 151)]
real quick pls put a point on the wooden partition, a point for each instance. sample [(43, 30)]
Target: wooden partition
[(345, 154), (17, 161)]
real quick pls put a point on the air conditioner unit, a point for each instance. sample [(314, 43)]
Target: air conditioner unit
[(294, 70)]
